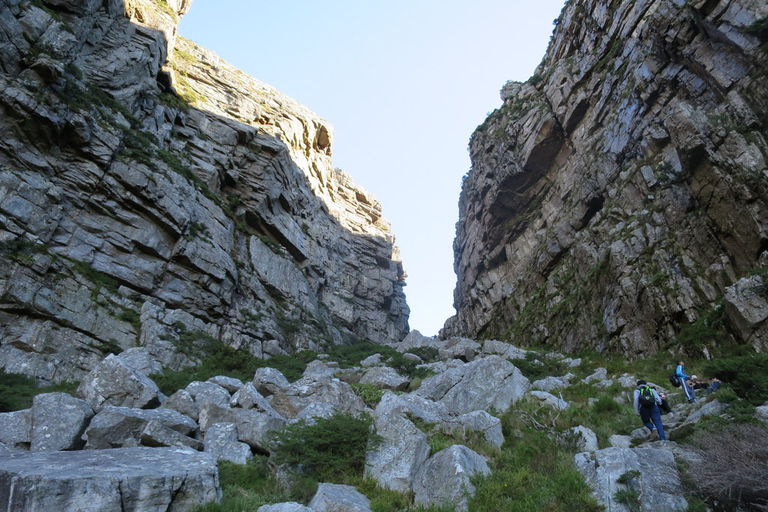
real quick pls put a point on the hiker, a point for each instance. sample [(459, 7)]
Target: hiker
[(714, 385), (683, 379), (646, 404)]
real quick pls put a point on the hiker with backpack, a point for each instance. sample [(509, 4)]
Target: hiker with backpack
[(646, 403), (683, 379)]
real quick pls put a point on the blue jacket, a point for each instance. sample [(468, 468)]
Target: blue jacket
[(680, 372)]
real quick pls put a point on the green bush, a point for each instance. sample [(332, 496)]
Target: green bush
[(221, 359), (746, 375), (330, 450), (536, 367), (533, 473), (370, 394), (17, 391)]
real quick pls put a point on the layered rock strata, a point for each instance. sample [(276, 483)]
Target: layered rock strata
[(152, 195), (617, 195)]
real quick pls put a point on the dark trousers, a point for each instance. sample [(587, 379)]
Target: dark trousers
[(651, 417)]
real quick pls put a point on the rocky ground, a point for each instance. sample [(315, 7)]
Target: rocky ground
[(120, 443)]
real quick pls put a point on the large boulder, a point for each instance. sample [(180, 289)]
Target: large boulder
[(16, 429), (386, 378), (221, 442), (208, 393), (114, 382), (446, 476), (477, 421), (58, 422), (116, 427), (403, 447), (658, 483), (269, 381), (488, 382), (339, 498), (150, 479), (331, 394), (253, 427)]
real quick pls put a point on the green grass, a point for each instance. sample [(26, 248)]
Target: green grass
[(249, 486), (17, 391), (533, 473), (219, 359)]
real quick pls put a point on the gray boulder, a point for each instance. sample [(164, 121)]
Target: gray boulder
[(248, 397), (477, 421), (403, 447), (231, 384), (253, 426), (488, 382), (16, 429), (114, 382), (372, 360), (151, 479), (584, 438), (549, 400), (658, 485), (445, 477), (386, 378), (182, 402), (221, 442), (598, 375), (459, 348), (713, 408), (415, 339), (208, 393), (552, 383), (58, 422), (116, 427), (141, 360), (332, 393), (269, 381), (339, 498), (762, 412)]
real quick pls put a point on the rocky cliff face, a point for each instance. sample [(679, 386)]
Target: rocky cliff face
[(618, 199), (151, 195)]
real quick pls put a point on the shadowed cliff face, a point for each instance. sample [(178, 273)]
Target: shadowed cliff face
[(130, 217), (617, 195)]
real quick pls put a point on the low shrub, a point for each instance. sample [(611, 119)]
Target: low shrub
[(17, 391), (747, 375), (249, 486), (329, 450), (734, 466), (536, 367)]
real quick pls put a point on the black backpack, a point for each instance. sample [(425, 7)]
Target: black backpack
[(646, 398), (674, 380)]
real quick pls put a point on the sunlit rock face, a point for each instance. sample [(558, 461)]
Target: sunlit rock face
[(617, 195), (152, 195)]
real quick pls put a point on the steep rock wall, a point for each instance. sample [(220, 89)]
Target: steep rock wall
[(616, 195), (129, 217)]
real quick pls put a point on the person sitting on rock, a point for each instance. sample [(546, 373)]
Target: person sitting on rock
[(646, 404), (714, 385)]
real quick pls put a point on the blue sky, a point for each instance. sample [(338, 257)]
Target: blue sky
[(404, 84)]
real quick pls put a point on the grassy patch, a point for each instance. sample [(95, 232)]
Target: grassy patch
[(249, 486), (533, 473), (17, 391)]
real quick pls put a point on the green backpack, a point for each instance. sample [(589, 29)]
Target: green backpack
[(646, 398)]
